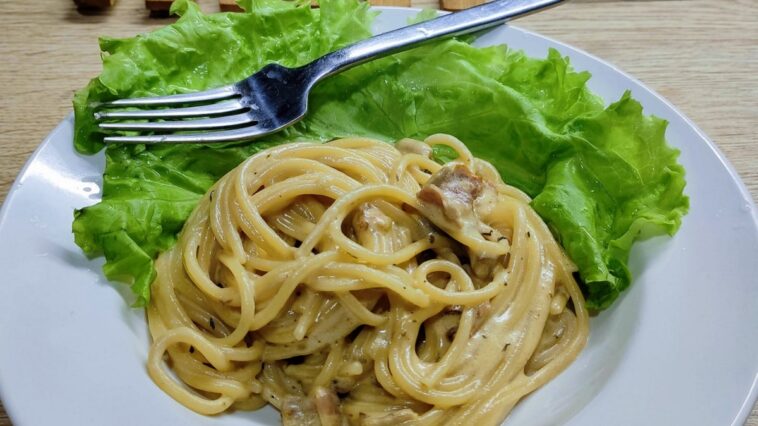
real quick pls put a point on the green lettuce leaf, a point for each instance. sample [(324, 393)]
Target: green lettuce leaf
[(621, 183), (602, 177), (149, 191)]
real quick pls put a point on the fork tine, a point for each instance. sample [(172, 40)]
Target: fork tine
[(186, 98), (234, 135), (179, 125), (195, 111)]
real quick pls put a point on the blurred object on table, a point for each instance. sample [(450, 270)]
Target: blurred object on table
[(158, 8), (400, 3), (94, 4), (454, 5), (229, 6)]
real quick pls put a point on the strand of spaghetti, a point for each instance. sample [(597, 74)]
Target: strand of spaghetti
[(464, 155), (335, 214), (454, 351), (308, 317), (401, 167), (291, 224), (176, 391), (331, 366), (408, 371), (395, 280), (267, 237), (246, 291), (466, 294), (306, 267), (358, 310), (340, 159), (281, 194), (237, 384), (221, 220), (199, 276)]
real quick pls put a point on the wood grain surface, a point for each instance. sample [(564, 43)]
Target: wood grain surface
[(700, 54)]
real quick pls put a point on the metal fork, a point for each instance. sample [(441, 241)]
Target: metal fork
[(276, 97)]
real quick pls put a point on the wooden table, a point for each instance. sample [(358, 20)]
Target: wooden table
[(700, 54)]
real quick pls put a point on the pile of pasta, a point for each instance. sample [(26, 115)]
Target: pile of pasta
[(361, 282)]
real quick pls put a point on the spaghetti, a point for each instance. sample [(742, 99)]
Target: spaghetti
[(360, 282)]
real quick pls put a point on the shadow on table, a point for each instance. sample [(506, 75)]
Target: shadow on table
[(133, 12)]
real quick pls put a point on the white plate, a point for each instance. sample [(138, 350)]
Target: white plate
[(680, 348)]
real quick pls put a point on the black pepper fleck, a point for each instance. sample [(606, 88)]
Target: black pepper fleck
[(212, 323)]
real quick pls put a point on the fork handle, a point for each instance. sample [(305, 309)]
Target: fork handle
[(466, 21)]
